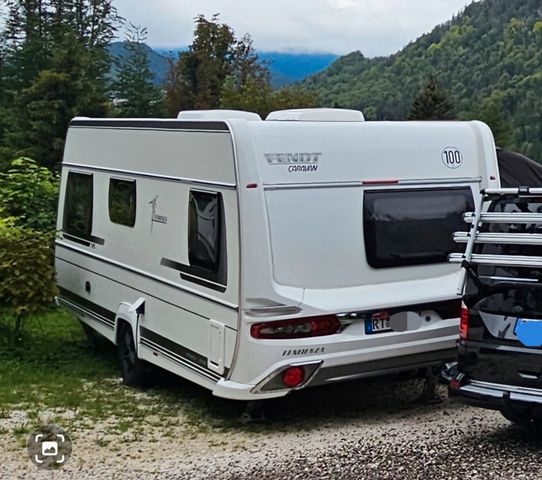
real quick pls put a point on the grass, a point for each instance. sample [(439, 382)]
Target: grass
[(51, 370), (50, 365)]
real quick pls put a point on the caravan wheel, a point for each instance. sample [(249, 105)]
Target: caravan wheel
[(94, 339), (135, 372)]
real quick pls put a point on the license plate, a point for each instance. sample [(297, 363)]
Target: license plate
[(378, 323), (529, 332)]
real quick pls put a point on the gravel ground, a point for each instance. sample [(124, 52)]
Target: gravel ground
[(412, 441)]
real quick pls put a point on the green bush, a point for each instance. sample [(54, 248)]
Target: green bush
[(27, 275), (29, 194)]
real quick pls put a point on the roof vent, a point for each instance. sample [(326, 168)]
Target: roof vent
[(218, 115), (317, 115)]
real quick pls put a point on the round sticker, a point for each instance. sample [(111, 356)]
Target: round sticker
[(452, 157)]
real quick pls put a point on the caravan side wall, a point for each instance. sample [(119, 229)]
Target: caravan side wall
[(108, 256)]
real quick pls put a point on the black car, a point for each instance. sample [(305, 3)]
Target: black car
[(500, 346)]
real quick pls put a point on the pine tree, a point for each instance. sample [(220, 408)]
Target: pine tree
[(25, 50), (56, 64), (3, 110), (432, 103), (196, 80), (247, 67), (44, 112), (135, 91), (25, 42)]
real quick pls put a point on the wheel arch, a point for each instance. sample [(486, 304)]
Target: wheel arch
[(126, 313)]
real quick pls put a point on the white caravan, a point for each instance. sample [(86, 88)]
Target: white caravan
[(258, 257)]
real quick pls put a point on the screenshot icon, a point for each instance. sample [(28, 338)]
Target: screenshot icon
[(49, 447)]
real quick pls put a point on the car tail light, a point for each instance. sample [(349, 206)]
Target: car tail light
[(293, 377), (297, 327), (455, 384), (464, 323)]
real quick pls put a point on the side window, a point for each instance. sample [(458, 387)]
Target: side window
[(206, 236), (122, 202), (78, 201)]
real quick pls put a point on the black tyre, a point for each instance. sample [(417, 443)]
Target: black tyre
[(135, 372), (519, 417), (94, 339), (537, 425)]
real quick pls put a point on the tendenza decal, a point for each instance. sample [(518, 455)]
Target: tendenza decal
[(155, 218), (303, 351)]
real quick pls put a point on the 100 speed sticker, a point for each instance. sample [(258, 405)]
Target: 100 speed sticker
[(452, 157)]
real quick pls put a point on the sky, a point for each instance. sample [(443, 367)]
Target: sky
[(375, 27)]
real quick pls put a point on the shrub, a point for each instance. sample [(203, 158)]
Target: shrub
[(27, 275), (29, 193)]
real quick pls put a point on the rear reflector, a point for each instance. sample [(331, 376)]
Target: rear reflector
[(380, 182), (293, 377), (297, 327), (464, 323)]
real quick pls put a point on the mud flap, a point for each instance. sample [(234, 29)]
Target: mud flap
[(215, 360)]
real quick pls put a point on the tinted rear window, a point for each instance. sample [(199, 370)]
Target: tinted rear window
[(207, 236), (415, 226)]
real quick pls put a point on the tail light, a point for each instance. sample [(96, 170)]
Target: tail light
[(464, 323), (297, 327)]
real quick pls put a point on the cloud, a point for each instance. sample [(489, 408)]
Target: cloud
[(376, 27)]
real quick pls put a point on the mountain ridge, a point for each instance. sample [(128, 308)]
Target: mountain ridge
[(490, 53), (285, 67)]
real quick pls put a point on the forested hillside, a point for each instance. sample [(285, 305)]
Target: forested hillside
[(488, 58)]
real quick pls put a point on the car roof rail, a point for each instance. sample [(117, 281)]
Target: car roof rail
[(518, 191)]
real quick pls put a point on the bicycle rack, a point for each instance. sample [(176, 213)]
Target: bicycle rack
[(474, 236)]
